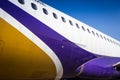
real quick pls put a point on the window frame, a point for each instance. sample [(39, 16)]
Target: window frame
[(34, 6), (63, 19), (77, 25), (55, 15), (88, 30), (21, 1), (83, 28), (45, 11), (71, 23)]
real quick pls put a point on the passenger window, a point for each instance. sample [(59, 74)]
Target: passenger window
[(93, 33), (104, 37), (83, 28), (108, 40), (34, 6), (70, 22), (114, 42), (101, 36), (45, 11), (55, 16), (88, 30), (77, 25), (63, 19), (97, 34), (21, 1)]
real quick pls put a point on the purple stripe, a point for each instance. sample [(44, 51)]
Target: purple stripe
[(71, 56)]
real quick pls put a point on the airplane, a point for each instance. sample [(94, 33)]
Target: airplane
[(39, 42)]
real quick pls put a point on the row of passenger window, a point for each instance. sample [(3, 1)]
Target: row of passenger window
[(45, 11)]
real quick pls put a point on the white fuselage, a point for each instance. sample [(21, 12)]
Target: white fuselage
[(93, 41)]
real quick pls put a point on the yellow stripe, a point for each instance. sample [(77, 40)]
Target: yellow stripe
[(22, 59)]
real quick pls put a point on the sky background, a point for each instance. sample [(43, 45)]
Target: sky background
[(103, 15)]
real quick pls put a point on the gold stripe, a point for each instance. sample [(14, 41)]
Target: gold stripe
[(20, 58)]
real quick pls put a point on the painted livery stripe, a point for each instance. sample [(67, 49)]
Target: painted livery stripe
[(35, 40), (70, 55), (21, 59)]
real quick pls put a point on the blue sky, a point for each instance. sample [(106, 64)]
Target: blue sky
[(103, 15)]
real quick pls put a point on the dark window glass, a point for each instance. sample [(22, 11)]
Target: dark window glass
[(55, 16), (117, 44), (108, 39), (70, 22), (63, 19), (88, 30), (104, 37), (114, 42), (97, 34), (83, 28), (111, 41), (45, 11), (77, 25), (34, 6), (21, 1), (93, 32), (101, 36)]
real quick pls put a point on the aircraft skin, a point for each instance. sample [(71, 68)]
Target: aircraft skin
[(38, 42)]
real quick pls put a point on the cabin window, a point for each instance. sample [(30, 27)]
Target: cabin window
[(70, 22), (83, 28), (101, 36), (77, 25), (108, 40), (21, 1), (45, 11), (55, 16), (111, 41), (88, 30), (104, 37), (34, 6), (114, 42), (119, 45), (97, 34), (93, 32), (63, 19)]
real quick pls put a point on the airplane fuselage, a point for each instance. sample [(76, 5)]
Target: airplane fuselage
[(40, 42)]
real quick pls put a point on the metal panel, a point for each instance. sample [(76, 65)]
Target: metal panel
[(1, 46)]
